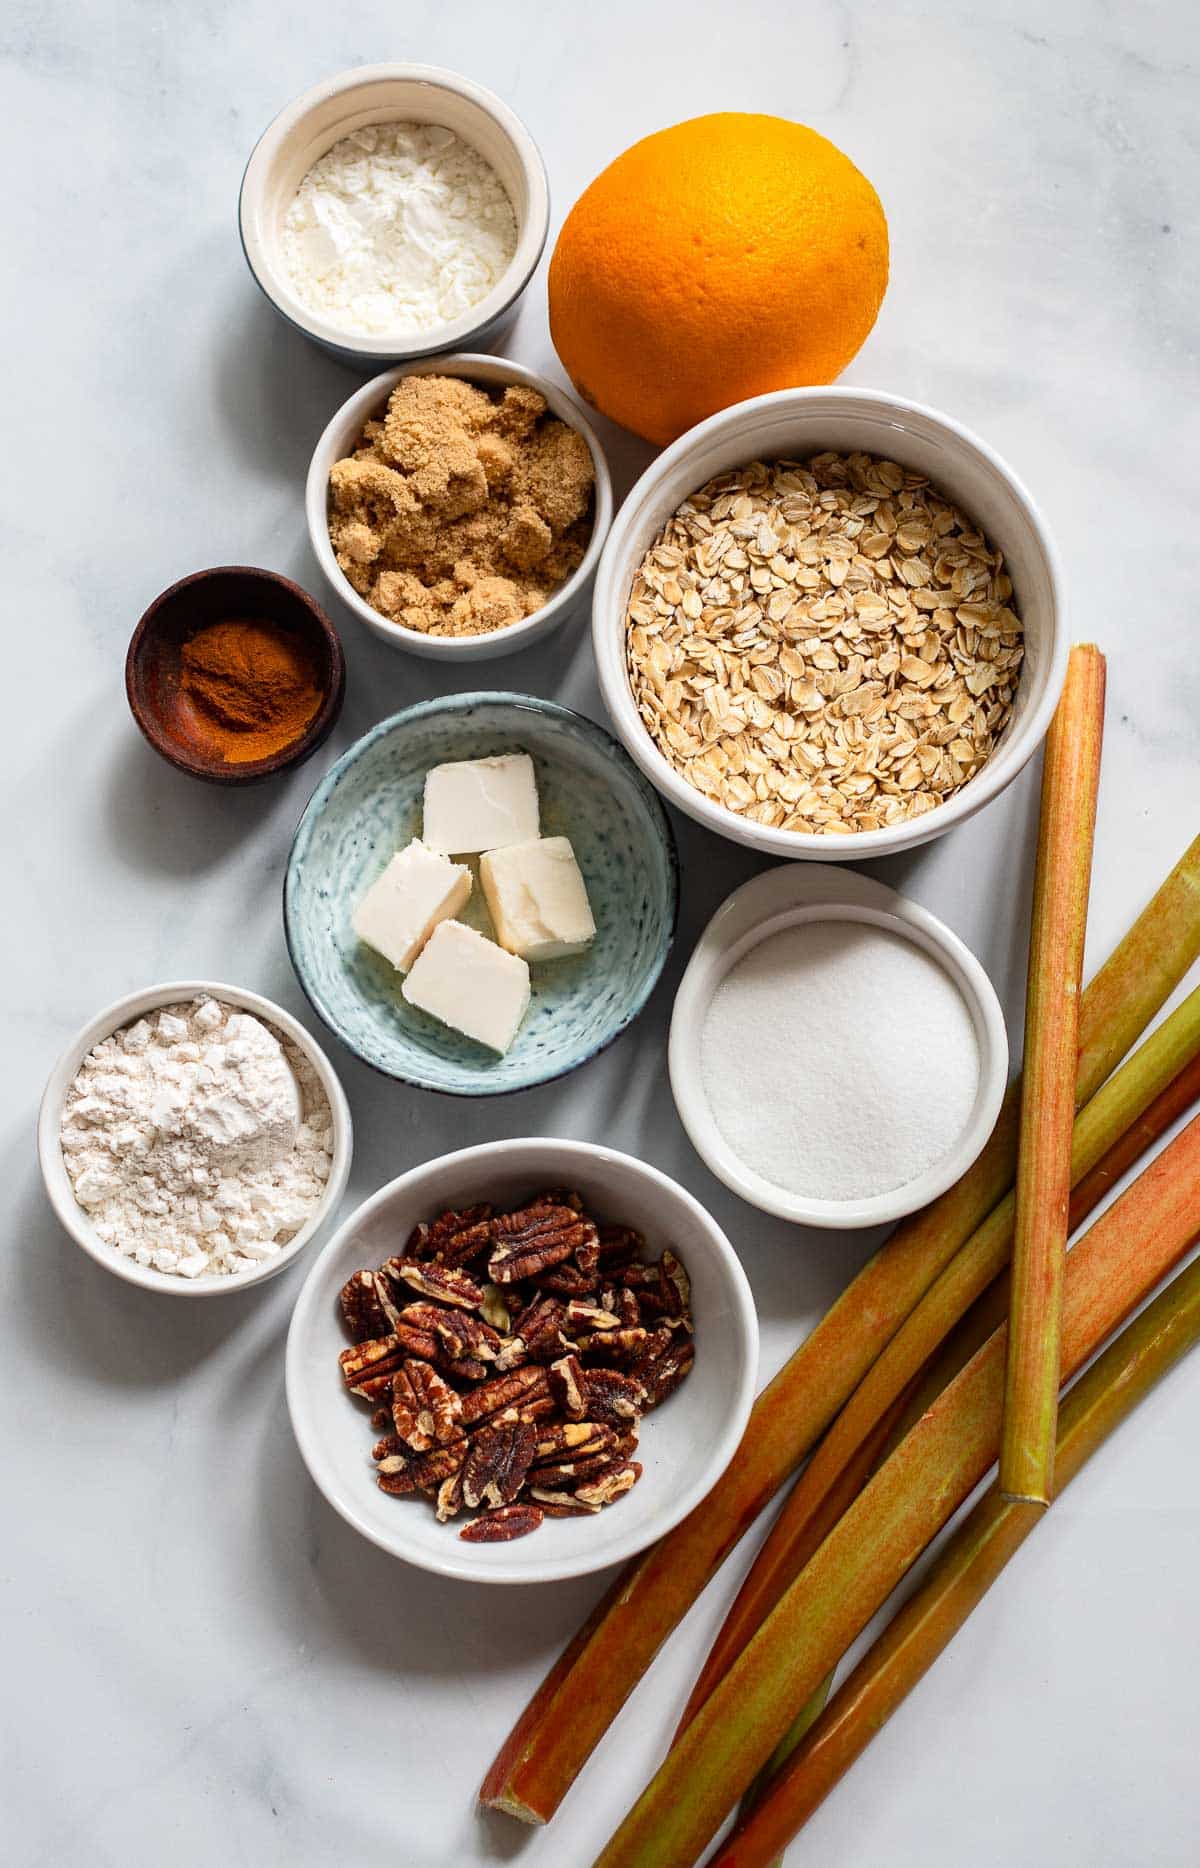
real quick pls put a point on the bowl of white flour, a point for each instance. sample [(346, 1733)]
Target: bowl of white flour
[(394, 212), (838, 1057), (193, 1138)]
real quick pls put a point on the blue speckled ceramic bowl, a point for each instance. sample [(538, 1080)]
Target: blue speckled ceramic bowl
[(369, 806)]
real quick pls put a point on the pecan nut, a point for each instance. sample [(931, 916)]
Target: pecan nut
[(661, 1374), (494, 1469), (609, 1486), (532, 1241), (425, 1409), (517, 1390), (421, 1472), (367, 1307), (502, 1524), (566, 1386), (442, 1284), (613, 1397), (453, 1238)]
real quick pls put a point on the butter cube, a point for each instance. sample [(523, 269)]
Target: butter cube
[(537, 899), (480, 804), (471, 984), (400, 910)]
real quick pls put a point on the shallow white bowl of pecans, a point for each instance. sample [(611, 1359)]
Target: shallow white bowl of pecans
[(684, 1442), (764, 790)]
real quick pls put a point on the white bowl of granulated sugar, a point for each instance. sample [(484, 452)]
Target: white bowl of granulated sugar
[(194, 1138), (395, 211), (838, 1057)]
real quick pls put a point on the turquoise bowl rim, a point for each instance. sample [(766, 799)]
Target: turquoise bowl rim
[(459, 703)]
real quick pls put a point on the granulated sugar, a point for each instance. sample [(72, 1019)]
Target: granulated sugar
[(839, 1060)]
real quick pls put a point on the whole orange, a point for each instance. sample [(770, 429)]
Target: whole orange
[(725, 257)]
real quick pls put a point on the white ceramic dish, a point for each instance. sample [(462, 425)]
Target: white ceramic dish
[(684, 1445), (54, 1173), (801, 422), (303, 132), (764, 906), (340, 437)]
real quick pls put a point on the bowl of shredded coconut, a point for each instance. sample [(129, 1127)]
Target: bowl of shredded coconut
[(395, 211), (194, 1138)]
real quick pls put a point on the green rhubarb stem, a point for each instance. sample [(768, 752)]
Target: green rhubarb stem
[(915, 1492), (1126, 1116), (1061, 883), (921, 1630), (591, 1680)]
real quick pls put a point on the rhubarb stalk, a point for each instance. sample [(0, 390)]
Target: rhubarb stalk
[(1101, 1399), (1126, 1116), (590, 1682), (914, 1493), (1061, 883)]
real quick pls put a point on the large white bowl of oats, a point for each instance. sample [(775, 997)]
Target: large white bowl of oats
[(829, 623)]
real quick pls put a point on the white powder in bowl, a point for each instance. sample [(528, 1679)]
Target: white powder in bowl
[(839, 1060), (398, 229)]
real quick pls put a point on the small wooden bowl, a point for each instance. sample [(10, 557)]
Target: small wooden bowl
[(152, 665)]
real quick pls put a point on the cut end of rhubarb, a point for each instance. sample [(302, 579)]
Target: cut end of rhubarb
[(1024, 1498), (511, 1805)]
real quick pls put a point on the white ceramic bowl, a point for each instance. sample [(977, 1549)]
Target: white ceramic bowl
[(684, 1445), (781, 898), (800, 422), (303, 132), (340, 437), (57, 1181)]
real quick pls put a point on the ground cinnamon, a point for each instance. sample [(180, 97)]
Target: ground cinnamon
[(253, 687)]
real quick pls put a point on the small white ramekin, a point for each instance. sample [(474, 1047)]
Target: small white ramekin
[(801, 422), (57, 1180), (780, 898), (340, 438), (303, 132)]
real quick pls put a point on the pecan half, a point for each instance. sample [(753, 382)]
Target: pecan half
[(591, 1316), (567, 1474), (571, 1440), (367, 1307), (425, 1409), (453, 1238), (612, 1397), (676, 1283), (364, 1366), (619, 1246), (533, 1240), (494, 1469), (502, 1525), (462, 1334), (568, 1280), (608, 1486), (449, 1497), (421, 1472), (517, 1390), (661, 1374), (442, 1284), (557, 1504), (566, 1386), (616, 1345)]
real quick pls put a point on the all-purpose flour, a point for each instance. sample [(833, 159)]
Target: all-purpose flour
[(839, 1060), (196, 1140), (400, 227)]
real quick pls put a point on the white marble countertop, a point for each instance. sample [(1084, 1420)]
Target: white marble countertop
[(203, 1664)]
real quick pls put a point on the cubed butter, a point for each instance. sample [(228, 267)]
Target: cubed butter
[(470, 983), (537, 899), (481, 804), (400, 910)]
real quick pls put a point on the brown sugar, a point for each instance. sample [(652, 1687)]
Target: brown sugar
[(461, 510)]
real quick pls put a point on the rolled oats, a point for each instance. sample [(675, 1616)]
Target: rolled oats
[(827, 646)]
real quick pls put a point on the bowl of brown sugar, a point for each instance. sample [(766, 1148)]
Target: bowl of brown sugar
[(235, 674), (458, 506)]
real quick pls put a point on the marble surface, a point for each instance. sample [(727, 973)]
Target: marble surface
[(203, 1664)]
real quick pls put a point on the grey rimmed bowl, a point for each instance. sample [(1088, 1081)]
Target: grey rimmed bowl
[(369, 805)]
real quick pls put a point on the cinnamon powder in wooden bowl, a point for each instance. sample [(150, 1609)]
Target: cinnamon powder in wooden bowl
[(235, 674)]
